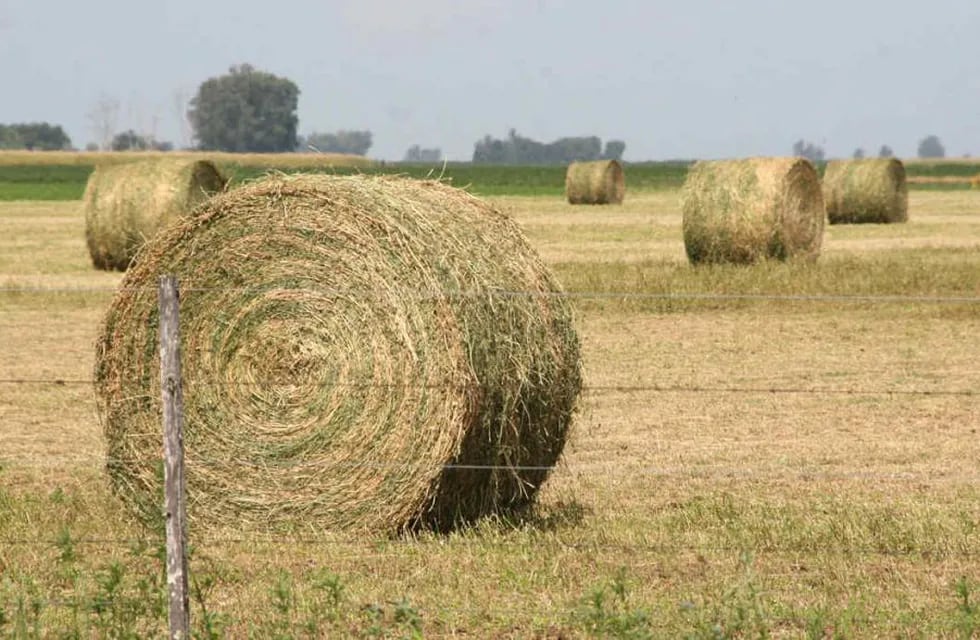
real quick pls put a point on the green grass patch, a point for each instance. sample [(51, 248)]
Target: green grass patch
[(67, 182), (665, 283)]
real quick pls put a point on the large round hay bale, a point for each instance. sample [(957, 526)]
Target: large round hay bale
[(358, 352), (742, 211), (128, 203), (867, 190), (600, 182)]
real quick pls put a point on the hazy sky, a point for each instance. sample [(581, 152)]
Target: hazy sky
[(677, 79)]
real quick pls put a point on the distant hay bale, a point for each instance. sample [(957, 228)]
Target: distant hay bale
[(600, 182), (355, 356), (126, 204), (742, 211), (868, 190), (975, 182)]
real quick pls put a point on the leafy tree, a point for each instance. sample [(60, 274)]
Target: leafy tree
[(858, 153), (245, 110), (416, 153), (886, 152), (132, 141), (129, 141), (517, 149), (931, 147), (808, 150), (353, 142), (614, 150), (35, 136), (9, 138)]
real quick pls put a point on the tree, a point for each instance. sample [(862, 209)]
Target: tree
[(517, 149), (886, 152), (614, 150), (9, 138), (132, 141), (931, 147), (808, 150), (416, 153), (353, 142), (34, 136), (245, 110), (858, 154)]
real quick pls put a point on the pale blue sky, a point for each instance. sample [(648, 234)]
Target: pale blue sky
[(677, 79)]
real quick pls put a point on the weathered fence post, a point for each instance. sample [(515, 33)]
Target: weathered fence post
[(173, 464)]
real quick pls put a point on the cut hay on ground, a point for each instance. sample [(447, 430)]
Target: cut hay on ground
[(868, 190), (600, 182), (742, 211), (355, 357), (127, 204)]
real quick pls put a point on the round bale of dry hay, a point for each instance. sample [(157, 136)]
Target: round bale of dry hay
[(371, 353), (743, 211), (599, 182), (867, 190), (128, 203)]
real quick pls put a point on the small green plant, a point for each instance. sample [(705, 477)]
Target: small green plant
[(70, 576), (28, 606), (740, 613), (967, 616), (324, 605), (408, 619), (608, 612), (283, 603), (211, 625)]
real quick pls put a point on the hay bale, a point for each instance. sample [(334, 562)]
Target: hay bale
[(868, 190), (600, 182), (126, 204), (742, 211), (354, 358), (975, 182)]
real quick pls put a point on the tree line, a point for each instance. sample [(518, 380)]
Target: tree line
[(249, 110), (517, 149), (929, 147)]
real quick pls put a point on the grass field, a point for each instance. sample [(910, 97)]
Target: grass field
[(62, 176), (794, 455)]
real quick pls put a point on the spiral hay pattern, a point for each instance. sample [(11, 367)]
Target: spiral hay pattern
[(354, 357)]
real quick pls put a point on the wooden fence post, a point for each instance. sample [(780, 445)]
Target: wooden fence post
[(173, 464)]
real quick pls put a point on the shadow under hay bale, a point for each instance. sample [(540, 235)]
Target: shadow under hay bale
[(872, 190), (743, 211), (600, 182), (128, 203), (355, 357)]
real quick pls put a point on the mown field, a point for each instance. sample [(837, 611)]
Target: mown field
[(782, 450)]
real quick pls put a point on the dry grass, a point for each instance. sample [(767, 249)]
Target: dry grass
[(279, 160), (844, 512)]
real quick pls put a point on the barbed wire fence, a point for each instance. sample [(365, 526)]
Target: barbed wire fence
[(176, 556)]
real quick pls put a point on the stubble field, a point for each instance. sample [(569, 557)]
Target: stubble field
[(784, 450)]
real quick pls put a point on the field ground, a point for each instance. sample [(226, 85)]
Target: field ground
[(740, 466)]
